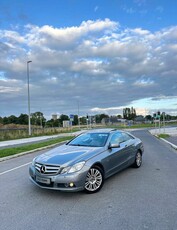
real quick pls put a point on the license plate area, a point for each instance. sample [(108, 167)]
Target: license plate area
[(43, 180)]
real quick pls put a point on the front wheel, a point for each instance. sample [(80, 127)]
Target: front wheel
[(94, 180), (138, 160)]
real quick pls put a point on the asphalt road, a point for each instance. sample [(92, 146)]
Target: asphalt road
[(134, 199)]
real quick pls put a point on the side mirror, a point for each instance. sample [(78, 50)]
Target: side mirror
[(112, 146)]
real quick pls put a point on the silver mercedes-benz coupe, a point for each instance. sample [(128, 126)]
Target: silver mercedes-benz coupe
[(86, 161)]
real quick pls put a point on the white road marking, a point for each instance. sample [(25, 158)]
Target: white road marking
[(10, 170)]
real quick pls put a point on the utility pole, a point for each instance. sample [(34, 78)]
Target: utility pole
[(164, 122), (29, 115)]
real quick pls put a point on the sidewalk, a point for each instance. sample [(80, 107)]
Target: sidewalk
[(18, 142), (172, 131), (172, 140)]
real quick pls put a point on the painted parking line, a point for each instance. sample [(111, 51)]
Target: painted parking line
[(13, 169)]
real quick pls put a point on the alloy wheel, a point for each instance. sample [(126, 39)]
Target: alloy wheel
[(94, 180), (138, 159)]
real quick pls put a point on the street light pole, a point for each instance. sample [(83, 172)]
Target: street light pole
[(29, 115)]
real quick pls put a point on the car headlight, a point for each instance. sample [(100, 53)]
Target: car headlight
[(33, 161), (75, 168)]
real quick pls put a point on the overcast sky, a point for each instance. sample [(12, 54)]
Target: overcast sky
[(100, 56)]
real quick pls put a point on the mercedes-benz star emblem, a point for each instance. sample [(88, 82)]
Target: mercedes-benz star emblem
[(42, 170)]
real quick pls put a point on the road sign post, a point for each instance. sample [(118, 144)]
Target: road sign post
[(163, 121), (71, 117)]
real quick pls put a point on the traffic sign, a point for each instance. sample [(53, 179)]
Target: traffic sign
[(71, 116)]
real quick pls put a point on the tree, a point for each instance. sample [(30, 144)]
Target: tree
[(129, 113), (83, 120), (62, 118), (9, 120), (148, 117), (52, 123), (169, 117), (23, 119), (5, 120), (13, 119), (99, 117), (38, 118), (133, 113), (119, 116), (75, 122)]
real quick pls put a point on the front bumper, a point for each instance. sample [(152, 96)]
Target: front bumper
[(60, 181)]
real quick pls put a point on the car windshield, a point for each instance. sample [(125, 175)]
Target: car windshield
[(90, 140)]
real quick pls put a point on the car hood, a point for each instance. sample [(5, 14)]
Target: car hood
[(67, 154)]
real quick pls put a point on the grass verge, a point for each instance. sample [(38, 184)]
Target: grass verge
[(163, 135), (16, 150), (134, 126)]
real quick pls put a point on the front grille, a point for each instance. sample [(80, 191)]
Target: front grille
[(47, 169)]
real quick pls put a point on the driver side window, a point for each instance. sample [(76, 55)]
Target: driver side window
[(116, 138)]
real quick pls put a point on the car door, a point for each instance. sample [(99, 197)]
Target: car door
[(130, 141), (117, 158), (130, 148)]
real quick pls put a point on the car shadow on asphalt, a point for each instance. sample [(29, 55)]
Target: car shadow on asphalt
[(54, 193)]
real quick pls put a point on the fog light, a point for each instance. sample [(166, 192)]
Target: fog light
[(71, 184)]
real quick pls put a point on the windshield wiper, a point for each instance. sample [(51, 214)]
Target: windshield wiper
[(81, 145), (75, 144)]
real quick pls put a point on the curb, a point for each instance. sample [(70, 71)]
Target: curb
[(172, 145), (31, 151)]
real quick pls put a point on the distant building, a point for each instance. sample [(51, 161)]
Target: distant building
[(54, 117), (139, 119), (67, 124), (113, 120)]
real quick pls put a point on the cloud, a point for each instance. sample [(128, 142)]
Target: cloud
[(137, 7), (159, 9), (128, 10), (109, 111), (96, 8), (140, 3), (143, 82), (9, 89), (99, 63), (69, 37)]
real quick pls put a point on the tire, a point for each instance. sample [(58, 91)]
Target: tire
[(138, 160), (94, 180)]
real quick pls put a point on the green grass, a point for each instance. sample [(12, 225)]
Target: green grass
[(163, 135), (134, 126), (137, 126), (12, 151)]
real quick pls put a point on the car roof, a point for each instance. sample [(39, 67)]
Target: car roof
[(104, 130)]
